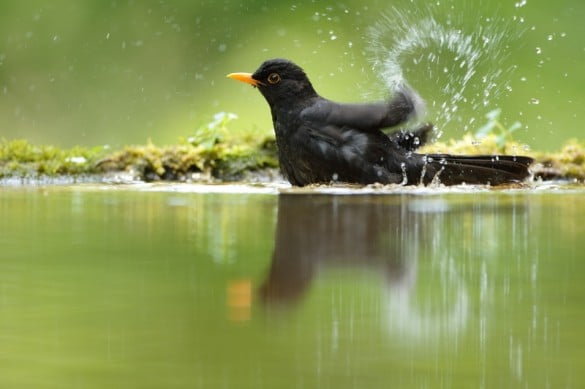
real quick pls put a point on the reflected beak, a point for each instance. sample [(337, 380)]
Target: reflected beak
[(245, 77)]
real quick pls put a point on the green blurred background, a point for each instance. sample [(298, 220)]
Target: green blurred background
[(95, 72)]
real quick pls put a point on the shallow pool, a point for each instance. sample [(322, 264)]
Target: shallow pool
[(171, 286)]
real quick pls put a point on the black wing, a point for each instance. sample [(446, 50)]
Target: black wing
[(365, 117)]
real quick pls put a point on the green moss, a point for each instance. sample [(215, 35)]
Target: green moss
[(22, 159), (213, 152), (184, 161), (188, 162), (568, 163), (469, 144)]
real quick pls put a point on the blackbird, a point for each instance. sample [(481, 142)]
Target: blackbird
[(321, 141)]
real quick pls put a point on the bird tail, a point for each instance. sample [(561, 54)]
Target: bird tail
[(474, 169)]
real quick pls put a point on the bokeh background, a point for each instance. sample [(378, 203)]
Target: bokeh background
[(94, 72)]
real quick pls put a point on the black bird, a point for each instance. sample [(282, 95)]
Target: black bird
[(321, 141)]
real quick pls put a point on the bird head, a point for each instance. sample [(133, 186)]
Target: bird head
[(279, 81)]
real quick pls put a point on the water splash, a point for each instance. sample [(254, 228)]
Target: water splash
[(459, 68)]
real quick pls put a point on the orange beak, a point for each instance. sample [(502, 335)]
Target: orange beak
[(245, 77)]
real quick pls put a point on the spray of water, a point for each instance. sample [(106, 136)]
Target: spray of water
[(459, 68)]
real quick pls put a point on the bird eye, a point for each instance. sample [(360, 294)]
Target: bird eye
[(274, 78)]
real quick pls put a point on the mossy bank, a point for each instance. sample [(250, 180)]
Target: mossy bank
[(233, 162), (215, 153)]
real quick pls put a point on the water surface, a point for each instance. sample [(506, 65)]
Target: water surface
[(115, 287)]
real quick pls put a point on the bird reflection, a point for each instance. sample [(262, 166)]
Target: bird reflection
[(316, 231), (399, 239)]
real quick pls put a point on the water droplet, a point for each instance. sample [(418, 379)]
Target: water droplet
[(404, 176), (549, 37), (520, 3), (535, 101), (520, 19), (538, 50)]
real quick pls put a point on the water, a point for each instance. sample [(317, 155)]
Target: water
[(452, 54), (147, 286)]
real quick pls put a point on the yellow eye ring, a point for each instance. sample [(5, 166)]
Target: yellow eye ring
[(274, 78)]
